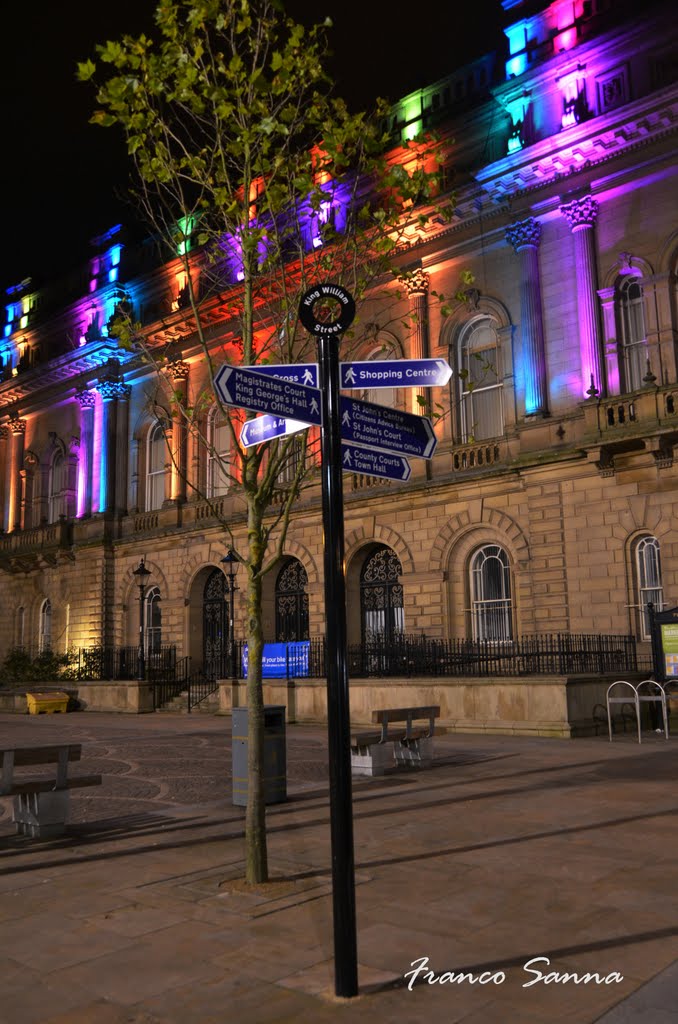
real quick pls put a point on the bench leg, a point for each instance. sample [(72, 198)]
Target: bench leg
[(372, 760), (41, 815), (414, 753)]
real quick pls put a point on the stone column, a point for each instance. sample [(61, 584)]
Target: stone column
[(134, 477), (109, 391), (179, 373), (30, 477), (417, 290), (18, 431), (122, 448), (581, 215), (610, 345), (4, 469), (86, 468), (525, 237), (73, 459)]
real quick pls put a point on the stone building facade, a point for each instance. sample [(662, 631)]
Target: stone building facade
[(552, 500)]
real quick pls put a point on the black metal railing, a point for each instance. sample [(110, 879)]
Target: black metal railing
[(544, 654), (122, 663), (165, 690), (200, 686), (402, 655)]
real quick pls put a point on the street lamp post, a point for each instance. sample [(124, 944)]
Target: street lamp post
[(232, 564), (142, 574)]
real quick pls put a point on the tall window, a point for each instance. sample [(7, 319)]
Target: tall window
[(491, 595), (21, 628), (381, 596), (58, 483), (45, 638), (480, 382), (218, 452), (291, 603), (649, 581), (153, 624), (296, 455), (156, 455), (632, 332)]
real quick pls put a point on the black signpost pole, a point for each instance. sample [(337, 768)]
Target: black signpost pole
[(338, 711)]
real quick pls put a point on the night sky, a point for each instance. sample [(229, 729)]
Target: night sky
[(65, 180)]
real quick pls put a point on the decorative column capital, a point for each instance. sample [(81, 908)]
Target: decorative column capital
[(178, 369), (16, 425), (526, 234), (110, 389), (85, 398), (418, 282), (580, 213), (4, 433)]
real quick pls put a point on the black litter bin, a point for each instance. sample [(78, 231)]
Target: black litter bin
[(275, 755)]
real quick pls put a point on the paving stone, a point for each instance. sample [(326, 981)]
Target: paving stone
[(509, 848)]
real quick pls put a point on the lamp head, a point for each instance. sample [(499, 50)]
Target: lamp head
[(141, 573), (231, 562)]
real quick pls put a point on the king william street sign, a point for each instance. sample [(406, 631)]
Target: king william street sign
[(243, 387), (386, 429), (395, 373)]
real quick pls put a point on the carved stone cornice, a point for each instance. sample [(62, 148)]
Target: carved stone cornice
[(527, 233), (625, 129), (418, 282), (580, 213)]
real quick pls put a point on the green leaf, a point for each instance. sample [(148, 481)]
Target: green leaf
[(86, 70)]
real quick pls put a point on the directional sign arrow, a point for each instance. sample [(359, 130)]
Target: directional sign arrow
[(395, 373), (246, 389), (365, 460), (265, 428), (386, 429), (299, 373)]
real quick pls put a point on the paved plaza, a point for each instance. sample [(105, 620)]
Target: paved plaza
[(507, 850)]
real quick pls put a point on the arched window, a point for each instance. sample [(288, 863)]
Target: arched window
[(648, 582), (291, 603), (153, 621), (156, 457), (45, 638), (480, 381), (58, 484), (218, 453), (381, 596), (491, 595), (632, 332)]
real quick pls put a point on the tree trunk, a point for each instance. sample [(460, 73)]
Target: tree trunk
[(256, 857)]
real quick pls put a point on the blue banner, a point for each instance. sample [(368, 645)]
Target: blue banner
[(282, 661)]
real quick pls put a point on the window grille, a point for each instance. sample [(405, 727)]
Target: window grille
[(491, 605)]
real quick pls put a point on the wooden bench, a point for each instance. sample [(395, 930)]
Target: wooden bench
[(373, 753), (41, 804)]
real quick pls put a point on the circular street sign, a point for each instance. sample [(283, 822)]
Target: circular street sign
[(327, 309)]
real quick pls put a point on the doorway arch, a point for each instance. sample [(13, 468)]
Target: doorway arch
[(215, 619), (382, 613)]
